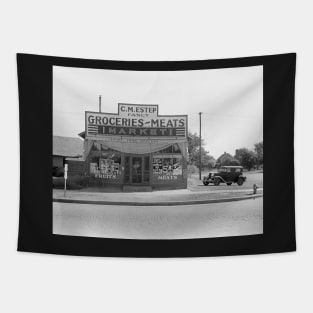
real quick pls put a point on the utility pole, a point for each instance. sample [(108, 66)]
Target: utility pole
[(200, 150), (100, 104)]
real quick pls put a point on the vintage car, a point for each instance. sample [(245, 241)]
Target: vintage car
[(225, 174)]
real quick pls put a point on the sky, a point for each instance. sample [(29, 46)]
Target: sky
[(231, 100)]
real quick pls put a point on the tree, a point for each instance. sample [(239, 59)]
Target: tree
[(246, 157), (207, 160), (227, 159), (193, 145), (258, 148)]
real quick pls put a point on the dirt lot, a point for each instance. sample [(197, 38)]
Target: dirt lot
[(159, 222), (164, 222)]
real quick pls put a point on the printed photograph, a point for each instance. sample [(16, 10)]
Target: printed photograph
[(157, 154)]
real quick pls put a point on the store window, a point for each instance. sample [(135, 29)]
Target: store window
[(167, 163), (167, 166), (104, 163)]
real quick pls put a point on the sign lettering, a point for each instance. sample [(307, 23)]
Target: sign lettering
[(135, 120)]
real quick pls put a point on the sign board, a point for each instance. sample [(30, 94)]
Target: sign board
[(65, 170), (135, 120)]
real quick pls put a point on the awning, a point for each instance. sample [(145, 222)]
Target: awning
[(137, 146)]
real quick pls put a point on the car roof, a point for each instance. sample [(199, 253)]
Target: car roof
[(230, 166)]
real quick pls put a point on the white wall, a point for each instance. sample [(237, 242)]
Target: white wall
[(159, 30)]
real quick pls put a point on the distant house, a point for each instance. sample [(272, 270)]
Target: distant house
[(66, 148)]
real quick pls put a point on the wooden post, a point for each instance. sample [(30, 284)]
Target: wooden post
[(65, 178), (100, 104), (200, 157)]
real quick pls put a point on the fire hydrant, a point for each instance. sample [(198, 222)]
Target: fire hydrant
[(255, 188)]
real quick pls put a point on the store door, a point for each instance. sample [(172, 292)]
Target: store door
[(137, 170)]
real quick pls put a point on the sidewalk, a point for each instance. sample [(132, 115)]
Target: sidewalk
[(160, 197)]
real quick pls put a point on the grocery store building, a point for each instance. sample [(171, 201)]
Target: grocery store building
[(135, 149)]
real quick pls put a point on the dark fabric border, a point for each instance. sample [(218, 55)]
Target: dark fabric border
[(35, 218)]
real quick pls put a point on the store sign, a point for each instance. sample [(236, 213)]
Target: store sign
[(167, 177), (135, 120)]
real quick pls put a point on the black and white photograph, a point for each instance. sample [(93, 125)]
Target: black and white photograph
[(157, 154), (178, 136)]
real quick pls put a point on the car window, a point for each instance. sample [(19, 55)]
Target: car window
[(238, 170)]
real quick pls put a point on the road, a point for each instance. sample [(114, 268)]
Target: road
[(159, 222)]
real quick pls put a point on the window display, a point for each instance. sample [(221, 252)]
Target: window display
[(167, 167), (105, 165)]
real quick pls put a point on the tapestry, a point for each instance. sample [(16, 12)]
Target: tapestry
[(156, 158)]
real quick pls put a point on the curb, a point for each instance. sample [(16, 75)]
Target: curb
[(163, 203)]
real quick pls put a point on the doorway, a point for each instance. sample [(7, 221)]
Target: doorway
[(137, 170)]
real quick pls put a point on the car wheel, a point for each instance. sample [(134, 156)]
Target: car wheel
[(216, 181), (229, 183), (240, 181), (205, 183)]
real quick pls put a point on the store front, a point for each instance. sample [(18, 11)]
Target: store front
[(137, 170), (136, 147)]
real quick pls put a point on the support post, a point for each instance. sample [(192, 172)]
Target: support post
[(200, 150), (99, 103), (65, 178)]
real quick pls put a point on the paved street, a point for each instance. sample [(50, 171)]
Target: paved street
[(159, 222)]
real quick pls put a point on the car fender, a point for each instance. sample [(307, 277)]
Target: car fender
[(219, 177), (243, 177)]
